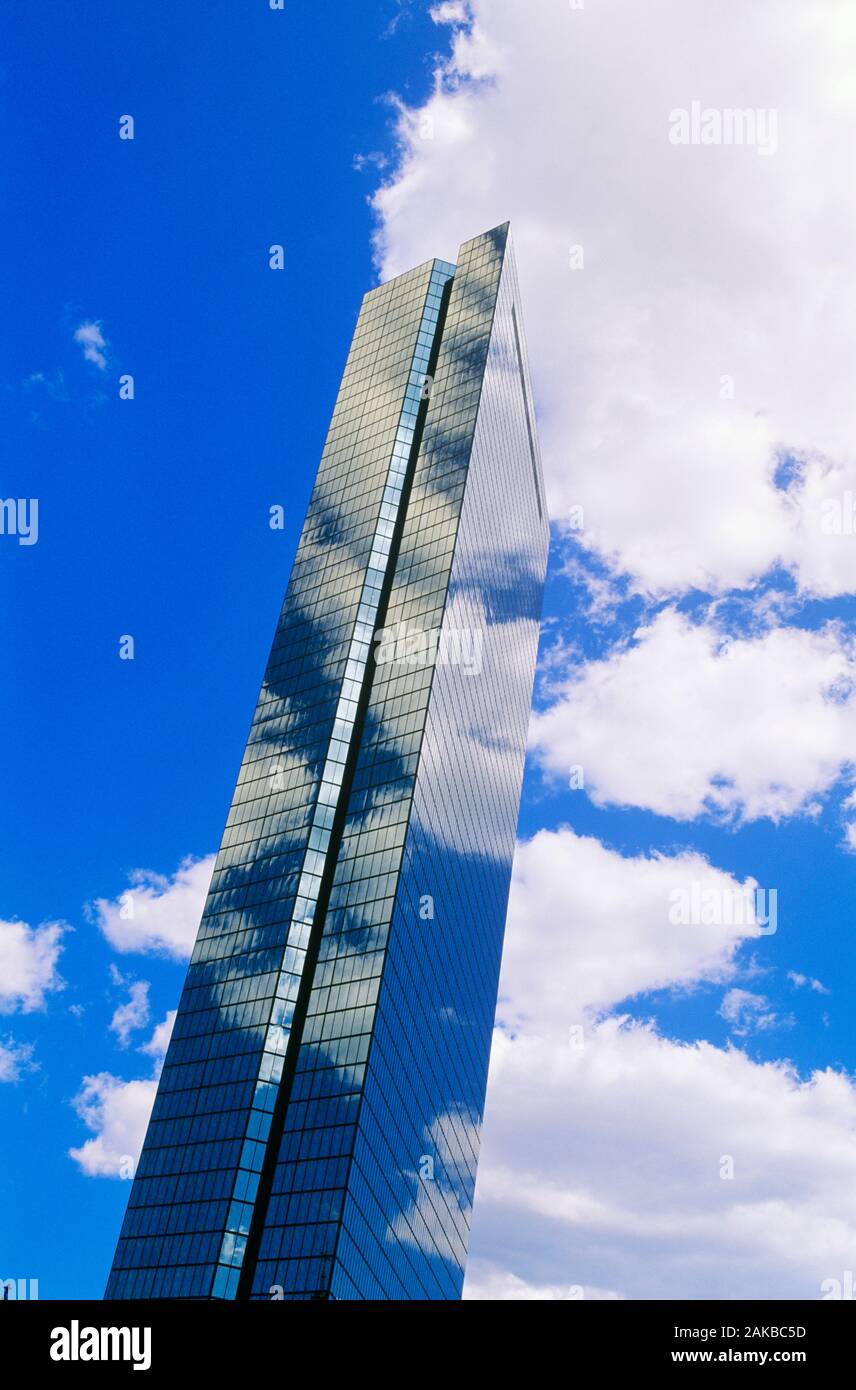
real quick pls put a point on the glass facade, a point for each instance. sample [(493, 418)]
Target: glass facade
[(315, 1132)]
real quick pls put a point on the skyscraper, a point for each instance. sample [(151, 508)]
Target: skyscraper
[(316, 1127)]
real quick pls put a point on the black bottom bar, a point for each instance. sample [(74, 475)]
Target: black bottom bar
[(69, 1338)]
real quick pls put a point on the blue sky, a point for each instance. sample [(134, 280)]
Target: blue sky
[(255, 127)]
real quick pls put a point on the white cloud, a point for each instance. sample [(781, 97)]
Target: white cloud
[(747, 1013), (133, 1014), (450, 12), (118, 1113), (159, 1041), (603, 1166), (488, 1282), (28, 960), (799, 981), (605, 1146), (700, 264), (824, 540), (677, 724), (602, 922), (158, 915), (93, 342), (15, 1058)]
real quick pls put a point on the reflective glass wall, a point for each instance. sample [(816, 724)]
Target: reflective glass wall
[(196, 1186)]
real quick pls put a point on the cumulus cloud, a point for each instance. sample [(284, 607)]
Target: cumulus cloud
[(747, 1013), (15, 1059), (799, 981), (488, 1282), (603, 923), (849, 808), (450, 12), (663, 284), (615, 1158), (117, 1112), (133, 1014), (157, 915), (93, 342), (159, 1041), (28, 964), (680, 723), (608, 1164)]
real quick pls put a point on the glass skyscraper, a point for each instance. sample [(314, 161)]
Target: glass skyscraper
[(316, 1127)]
